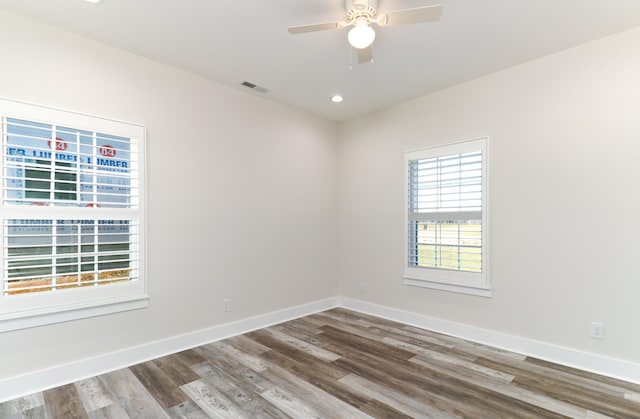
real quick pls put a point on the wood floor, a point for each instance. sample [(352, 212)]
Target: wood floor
[(338, 364)]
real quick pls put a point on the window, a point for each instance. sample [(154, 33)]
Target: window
[(72, 216), (37, 180), (446, 218)]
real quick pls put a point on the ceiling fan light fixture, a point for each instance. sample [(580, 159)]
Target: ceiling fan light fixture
[(361, 35)]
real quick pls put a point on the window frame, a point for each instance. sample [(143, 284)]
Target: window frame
[(40, 308), (449, 279)]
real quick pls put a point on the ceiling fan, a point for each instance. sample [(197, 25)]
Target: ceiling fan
[(361, 14)]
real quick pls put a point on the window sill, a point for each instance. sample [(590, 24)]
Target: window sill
[(72, 312), (460, 289)]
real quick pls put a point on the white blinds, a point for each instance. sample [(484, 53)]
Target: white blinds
[(445, 209), (446, 187), (71, 207), (51, 165), (46, 255)]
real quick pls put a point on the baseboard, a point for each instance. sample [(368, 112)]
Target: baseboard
[(14, 387), (611, 367)]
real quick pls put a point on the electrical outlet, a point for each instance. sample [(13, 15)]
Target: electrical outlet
[(597, 330), (363, 287), (226, 305)]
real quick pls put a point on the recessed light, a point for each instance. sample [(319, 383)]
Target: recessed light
[(337, 98), (93, 1)]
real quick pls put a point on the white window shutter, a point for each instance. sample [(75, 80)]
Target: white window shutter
[(446, 215)]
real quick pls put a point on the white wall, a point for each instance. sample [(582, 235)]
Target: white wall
[(564, 199), (241, 202)]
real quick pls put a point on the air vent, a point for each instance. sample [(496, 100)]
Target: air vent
[(254, 86)]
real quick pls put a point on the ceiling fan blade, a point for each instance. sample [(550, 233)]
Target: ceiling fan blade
[(365, 55), (313, 28), (417, 15)]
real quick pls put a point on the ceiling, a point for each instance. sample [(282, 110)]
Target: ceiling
[(231, 41)]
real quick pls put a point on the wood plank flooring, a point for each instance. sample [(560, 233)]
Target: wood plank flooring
[(338, 364)]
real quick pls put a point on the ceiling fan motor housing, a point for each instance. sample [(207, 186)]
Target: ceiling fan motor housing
[(361, 8)]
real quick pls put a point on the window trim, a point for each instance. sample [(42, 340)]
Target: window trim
[(442, 279), (36, 309)]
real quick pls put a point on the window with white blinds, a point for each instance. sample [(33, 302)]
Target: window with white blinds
[(72, 214), (446, 217), (44, 255)]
